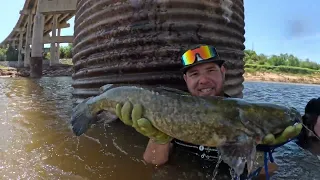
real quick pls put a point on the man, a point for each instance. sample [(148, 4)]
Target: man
[(204, 75), (311, 118)]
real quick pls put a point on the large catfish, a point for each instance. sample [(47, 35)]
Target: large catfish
[(232, 125)]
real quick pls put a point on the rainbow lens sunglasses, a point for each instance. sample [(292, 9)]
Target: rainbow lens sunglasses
[(205, 52)]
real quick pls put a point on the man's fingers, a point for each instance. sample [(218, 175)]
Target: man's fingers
[(288, 132), (146, 126), (284, 135), (164, 140), (268, 139), (136, 115), (162, 136), (118, 111), (126, 113), (298, 129), (147, 132), (143, 132), (132, 116)]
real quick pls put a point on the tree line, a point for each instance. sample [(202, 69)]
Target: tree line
[(11, 54), (251, 57), (65, 52), (286, 63), (8, 54), (253, 61)]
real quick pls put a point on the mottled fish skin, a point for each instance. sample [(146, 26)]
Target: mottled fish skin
[(210, 121)]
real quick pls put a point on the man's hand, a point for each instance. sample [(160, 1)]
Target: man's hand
[(132, 116), (289, 133)]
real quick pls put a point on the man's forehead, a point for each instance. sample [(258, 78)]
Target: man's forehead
[(203, 66)]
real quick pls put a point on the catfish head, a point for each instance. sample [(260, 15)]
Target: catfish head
[(258, 120), (264, 118)]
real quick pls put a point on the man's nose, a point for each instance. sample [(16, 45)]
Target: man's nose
[(203, 79)]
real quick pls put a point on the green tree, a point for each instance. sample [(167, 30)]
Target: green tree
[(293, 61), (251, 56), (262, 59), (283, 60), (62, 54), (12, 54), (66, 51), (3, 52)]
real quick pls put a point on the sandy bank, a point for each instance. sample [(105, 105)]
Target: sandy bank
[(280, 77), (59, 70)]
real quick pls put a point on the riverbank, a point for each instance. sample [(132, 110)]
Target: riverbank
[(7, 71), (66, 70), (50, 71), (282, 77)]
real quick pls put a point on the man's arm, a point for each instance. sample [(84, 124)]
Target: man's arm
[(157, 154)]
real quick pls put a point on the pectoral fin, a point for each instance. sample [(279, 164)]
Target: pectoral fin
[(239, 153), (105, 88)]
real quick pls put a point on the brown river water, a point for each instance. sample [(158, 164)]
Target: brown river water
[(36, 141)]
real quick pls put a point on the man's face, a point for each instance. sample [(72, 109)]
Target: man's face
[(205, 80)]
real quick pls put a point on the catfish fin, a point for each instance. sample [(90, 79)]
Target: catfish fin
[(239, 153), (82, 118), (104, 88), (106, 117)]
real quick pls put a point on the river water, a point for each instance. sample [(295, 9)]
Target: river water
[(37, 143)]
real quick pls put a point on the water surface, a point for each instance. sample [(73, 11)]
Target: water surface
[(37, 143)]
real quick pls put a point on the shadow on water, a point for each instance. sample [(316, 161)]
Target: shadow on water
[(37, 143)]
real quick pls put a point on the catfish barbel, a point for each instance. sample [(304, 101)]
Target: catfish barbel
[(232, 125)]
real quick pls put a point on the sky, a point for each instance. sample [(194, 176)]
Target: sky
[(272, 26)]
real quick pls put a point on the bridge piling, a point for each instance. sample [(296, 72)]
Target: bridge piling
[(20, 49), (27, 45), (53, 48), (37, 45)]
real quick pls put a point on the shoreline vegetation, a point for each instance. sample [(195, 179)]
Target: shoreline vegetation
[(280, 68), (275, 68)]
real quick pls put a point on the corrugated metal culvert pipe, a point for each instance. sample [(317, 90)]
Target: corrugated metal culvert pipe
[(140, 41)]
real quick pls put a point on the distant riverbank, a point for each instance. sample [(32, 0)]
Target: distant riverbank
[(282, 77), (66, 70)]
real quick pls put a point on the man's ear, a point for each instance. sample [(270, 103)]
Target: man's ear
[(185, 77), (223, 71)]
